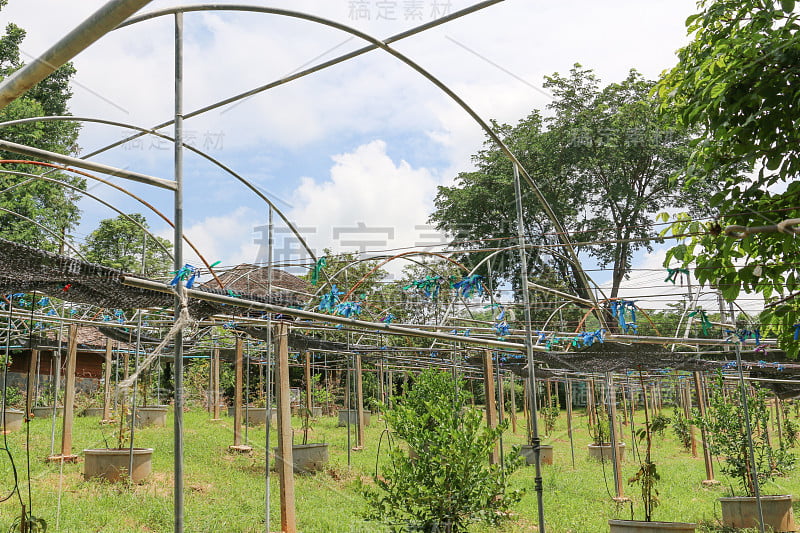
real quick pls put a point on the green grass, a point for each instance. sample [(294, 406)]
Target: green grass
[(224, 492)]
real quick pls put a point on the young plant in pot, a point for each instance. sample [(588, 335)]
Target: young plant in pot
[(309, 457), (599, 430), (751, 470), (647, 477), (123, 463), (549, 416)]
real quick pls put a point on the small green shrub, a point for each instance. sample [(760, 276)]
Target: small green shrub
[(447, 482), (729, 439), (682, 428)]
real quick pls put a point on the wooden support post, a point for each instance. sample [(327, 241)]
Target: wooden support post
[(215, 384), (359, 404), (701, 406), (489, 396), (107, 381), (238, 364), (125, 365), (69, 397), (624, 407), (548, 386), (29, 392), (284, 459), (307, 376), (590, 410), (614, 399)]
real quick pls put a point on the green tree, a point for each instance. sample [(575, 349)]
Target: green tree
[(603, 158), (46, 203), (738, 81), (119, 243)]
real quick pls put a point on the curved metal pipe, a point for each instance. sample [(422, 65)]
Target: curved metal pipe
[(197, 151), (45, 228), (90, 195), (117, 187), (562, 234)]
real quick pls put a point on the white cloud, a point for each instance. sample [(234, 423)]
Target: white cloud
[(227, 238), (369, 202)]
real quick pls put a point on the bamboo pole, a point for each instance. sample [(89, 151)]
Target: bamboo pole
[(615, 454), (701, 406)]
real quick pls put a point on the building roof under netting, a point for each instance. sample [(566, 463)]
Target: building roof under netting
[(89, 338), (25, 269), (254, 279)]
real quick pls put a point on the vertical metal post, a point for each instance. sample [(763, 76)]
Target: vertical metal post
[(307, 375), (56, 385), (568, 390), (30, 385), (215, 384), (269, 372), (490, 401), (359, 403), (237, 394), (535, 441), (107, 383), (178, 255)]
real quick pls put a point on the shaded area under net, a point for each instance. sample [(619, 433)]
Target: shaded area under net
[(24, 269)]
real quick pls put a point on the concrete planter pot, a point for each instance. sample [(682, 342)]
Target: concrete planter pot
[(93, 411), (12, 420), (307, 458), (545, 454), (47, 412), (256, 416), (112, 464), (639, 526), (602, 452), (316, 412), (353, 414), (153, 416), (742, 512)]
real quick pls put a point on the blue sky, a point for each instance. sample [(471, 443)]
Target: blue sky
[(365, 142)]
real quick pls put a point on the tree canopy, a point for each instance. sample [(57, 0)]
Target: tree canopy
[(602, 156), (45, 203), (738, 81), (120, 243)]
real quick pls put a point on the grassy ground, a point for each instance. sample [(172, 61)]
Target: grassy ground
[(225, 492)]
